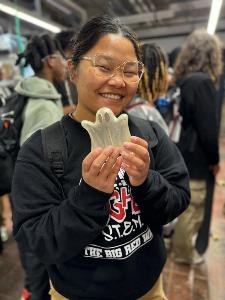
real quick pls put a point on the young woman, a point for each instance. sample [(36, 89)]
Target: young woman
[(102, 240)]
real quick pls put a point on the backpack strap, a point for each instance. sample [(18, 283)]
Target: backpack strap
[(55, 148)]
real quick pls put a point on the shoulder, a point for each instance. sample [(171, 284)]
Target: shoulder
[(198, 85), (32, 161), (31, 148), (42, 104), (42, 111), (200, 76), (140, 109), (195, 79)]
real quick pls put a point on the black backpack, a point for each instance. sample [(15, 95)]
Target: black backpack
[(11, 121)]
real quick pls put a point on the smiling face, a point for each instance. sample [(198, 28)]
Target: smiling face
[(94, 91)]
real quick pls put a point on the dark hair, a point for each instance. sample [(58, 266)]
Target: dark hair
[(66, 39), (155, 78), (94, 29), (37, 49), (173, 56)]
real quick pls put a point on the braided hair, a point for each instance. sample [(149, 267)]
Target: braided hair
[(38, 49), (154, 80)]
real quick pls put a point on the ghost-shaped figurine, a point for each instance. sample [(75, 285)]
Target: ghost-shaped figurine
[(107, 129)]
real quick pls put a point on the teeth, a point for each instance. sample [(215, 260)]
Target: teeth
[(112, 96)]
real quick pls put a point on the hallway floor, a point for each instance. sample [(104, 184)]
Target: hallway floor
[(205, 281), (202, 282)]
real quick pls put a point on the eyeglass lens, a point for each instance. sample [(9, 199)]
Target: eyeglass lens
[(106, 67)]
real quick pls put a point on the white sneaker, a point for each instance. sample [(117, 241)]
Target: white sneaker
[(197, 258)]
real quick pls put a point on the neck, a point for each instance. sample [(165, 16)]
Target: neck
[(45, 75), (80, 115)]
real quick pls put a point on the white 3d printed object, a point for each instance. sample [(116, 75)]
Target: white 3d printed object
[(107, 129)]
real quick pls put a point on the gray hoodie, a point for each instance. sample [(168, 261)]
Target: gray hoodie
[(43, 108)]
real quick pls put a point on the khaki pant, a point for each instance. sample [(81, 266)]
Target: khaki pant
[(189, 223), (156, 293)]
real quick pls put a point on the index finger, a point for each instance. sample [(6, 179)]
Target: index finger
[(88, 160), (137, 140), (139, 148)]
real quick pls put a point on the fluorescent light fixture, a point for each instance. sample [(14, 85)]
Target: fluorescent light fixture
[(214, 15), (28, 18)]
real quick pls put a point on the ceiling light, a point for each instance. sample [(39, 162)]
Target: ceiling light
[(28, 18), (214, 15)]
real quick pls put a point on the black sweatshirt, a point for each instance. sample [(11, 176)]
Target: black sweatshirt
[(97, 245), (200, 124)]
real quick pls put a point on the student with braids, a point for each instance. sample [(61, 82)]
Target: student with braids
[(42, 109), (45, 57), (152, 86)]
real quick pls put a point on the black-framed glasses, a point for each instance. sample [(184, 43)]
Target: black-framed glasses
[(105, 67)]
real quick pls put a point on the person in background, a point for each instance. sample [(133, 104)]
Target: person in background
[(5, 206), (5, 219), (1, 225), (196, 72), (99, 232), (5, 91), (67, 89), (173, 56), (153, 85), (45, 56), (66, 39)]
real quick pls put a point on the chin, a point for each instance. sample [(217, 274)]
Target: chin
[(115, 107), (118, 112), (115, 110)]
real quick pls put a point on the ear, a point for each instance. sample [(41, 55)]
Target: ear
[(50, 62), (71, 70)]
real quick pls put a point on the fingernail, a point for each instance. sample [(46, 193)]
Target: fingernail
[(126, 145)]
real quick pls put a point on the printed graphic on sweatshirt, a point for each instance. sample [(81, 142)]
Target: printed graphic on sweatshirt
[(125, 232)]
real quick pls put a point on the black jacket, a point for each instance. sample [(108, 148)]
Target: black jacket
[(199, 135), (97, 245)]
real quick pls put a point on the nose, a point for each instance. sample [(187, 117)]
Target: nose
[(117, 78)]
